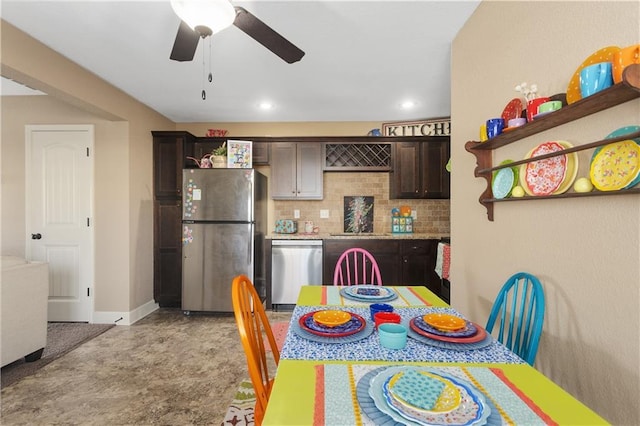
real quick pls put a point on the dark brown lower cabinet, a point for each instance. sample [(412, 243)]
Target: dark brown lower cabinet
[(401, 262)]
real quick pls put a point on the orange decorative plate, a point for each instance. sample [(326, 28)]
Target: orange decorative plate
[(444, 321), (331, 318), (603, 55)]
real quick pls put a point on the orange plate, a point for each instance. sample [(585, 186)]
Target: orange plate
[(444, 322), (603, 55), (331, 318)]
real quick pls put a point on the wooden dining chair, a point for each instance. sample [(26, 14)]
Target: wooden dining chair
[(254, 328), (356, 266), (519, 307)]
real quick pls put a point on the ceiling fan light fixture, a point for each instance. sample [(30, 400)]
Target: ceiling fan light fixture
[(215, 15)]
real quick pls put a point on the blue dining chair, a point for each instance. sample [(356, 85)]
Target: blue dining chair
[(520, 308)]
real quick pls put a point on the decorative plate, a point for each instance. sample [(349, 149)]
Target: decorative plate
[(617, 133), (331, 318), (542, 177), (572, 169), (512, 110), (471, 410), (615, 166), (369, 408), (358, 292), (504, 180), (475, 338), (603, 55), (469, 330), (445, 322), (487, 341), (353, 326), (423, 391), (298, 331)]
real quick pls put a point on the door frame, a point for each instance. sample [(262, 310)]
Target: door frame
[(90, 129)]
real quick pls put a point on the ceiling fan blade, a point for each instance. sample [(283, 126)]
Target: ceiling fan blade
[(266, 36), (186, 43)]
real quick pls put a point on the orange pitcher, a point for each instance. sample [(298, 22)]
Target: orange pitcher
[(623, 58)]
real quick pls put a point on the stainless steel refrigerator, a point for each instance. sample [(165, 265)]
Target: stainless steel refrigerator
[(224, 220)]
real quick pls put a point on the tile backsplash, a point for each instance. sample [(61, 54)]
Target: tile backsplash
[(432, 215)]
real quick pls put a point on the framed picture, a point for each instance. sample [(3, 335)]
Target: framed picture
[(358, 214), (239, 154)]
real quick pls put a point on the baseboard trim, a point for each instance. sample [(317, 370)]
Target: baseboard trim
[(125, 318)]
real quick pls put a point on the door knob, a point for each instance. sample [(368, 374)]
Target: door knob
[(36, 236)]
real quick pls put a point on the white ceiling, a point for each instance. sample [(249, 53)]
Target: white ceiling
[(363, 58)]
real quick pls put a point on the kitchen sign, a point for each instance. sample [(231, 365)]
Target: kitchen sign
[(431, 127)]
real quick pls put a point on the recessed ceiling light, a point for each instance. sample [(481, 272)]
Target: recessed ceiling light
[(266, 106), (407, 104)]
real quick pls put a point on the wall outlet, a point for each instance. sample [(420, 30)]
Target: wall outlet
[(324, 214), (414, 214), (296, 214)]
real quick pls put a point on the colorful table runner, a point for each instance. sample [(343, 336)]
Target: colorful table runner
[(369, 348), (407, 296), (336, 402)]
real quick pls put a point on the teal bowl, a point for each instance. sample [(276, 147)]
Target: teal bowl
[(392, 335)]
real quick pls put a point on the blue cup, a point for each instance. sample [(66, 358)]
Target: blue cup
[(379, 307), (595, 78), (494, 127)]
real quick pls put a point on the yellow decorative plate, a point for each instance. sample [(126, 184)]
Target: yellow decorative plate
[(603, 55), (444, 322), (448, 400), (331, 318), (615, 166), (572, 169)]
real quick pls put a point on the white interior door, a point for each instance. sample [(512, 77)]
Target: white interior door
[(59, 181)]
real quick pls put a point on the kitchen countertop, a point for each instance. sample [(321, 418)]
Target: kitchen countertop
[(368, 236)]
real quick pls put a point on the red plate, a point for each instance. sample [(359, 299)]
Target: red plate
[(512, 110), (478, 337), (303, 325)]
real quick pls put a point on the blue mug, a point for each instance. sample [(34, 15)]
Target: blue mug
[(595, 78), (494, 127)]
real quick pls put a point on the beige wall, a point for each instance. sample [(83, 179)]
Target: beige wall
[(123, 168), (585, 251)]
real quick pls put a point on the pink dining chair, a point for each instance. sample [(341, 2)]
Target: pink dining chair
[(356, 266)]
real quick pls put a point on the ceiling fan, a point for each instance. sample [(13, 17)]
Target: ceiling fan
[(200, 19)]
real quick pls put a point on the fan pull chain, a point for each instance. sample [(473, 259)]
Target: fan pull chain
[(204, 93), (210, 75)]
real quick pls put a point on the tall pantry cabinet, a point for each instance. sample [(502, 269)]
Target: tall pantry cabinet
[(169, 151)]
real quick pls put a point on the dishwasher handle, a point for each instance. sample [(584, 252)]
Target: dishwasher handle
[(295, 243)]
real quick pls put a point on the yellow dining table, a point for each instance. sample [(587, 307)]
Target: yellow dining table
[(294, 398), (314, 295), (312, 387)]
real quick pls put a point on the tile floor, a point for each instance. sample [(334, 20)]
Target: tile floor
[(166, 369)]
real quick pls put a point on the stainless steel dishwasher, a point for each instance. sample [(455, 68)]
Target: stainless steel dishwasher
[(294, 263)]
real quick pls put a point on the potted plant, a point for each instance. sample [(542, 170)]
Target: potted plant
[(219, 156)]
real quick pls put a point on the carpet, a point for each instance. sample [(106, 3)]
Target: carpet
[(62, 337), (240, 412)]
